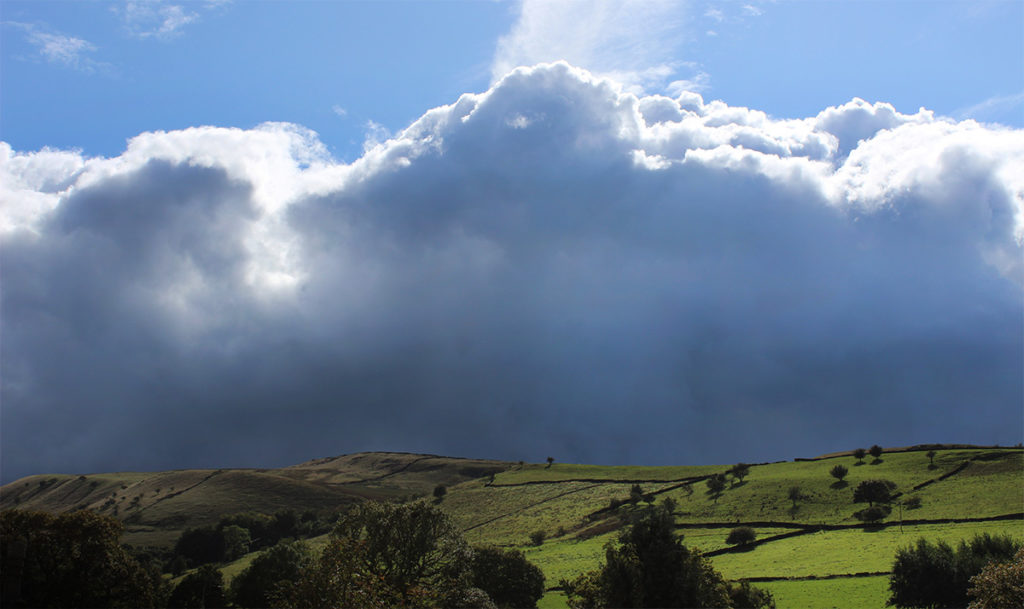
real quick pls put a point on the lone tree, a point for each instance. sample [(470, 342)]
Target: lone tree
[(874, 491), (551, 461), (741, 536), (716, 484), (795, 494), (740, 471), (875, 451), (859, 455), (931, 457), (839, 472), (537, 537)]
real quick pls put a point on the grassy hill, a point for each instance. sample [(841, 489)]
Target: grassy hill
[(811, 552)]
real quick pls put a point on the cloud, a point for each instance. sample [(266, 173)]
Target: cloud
[(160, 19), (338, 110), (633, 41), (994, 108), (553, 266), (61, 49)]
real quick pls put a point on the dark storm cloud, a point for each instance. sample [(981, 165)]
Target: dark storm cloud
[(552, 267)]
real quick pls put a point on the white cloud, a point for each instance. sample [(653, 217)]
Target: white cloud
[(158, 18), (58, 48), (552, 262), (338, 110), (633, 41), (993, 108)]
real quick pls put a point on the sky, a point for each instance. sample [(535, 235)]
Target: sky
[(248, 234)]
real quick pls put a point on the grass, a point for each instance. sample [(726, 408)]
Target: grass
[(844, 593)]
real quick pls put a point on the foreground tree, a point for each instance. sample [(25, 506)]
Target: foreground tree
[(69, 560), (203, 589), (507, 577), (999, 584), (273, 568), (937, 575), (652, 568)]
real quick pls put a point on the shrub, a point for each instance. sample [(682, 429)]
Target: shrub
[(912, 503), (741, 536), (872, 514), (440, 491), (507, 577), (537, 537), (839, 472)]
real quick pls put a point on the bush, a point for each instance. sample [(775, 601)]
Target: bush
[(839, 472), (912, 503), (872, 514), (741, 536), (537, 538), (440, 491), (507, 577)]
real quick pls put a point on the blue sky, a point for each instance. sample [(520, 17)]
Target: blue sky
[(253, 233), (113, 73)]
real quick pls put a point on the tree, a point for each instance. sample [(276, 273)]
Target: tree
[(858, 454), (650, 567), (203, 589), (69, 560), (999, 584), (413, 549), (636, 494), (875, 451), (551, 461), (839, 472), (335, 579), (937, 575), (201, 546), (236, 542), (439, 492), (507, 577), (741, 536), (873, 514), (537, 537), (716, 484), (795, 494), (874, 491), (272, 568), (740, 471), (931, 458)]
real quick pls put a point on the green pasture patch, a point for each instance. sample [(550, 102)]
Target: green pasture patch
[(838, 593), (553, 599), (847, 551), (566, 559)]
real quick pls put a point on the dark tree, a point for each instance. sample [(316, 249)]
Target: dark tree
[(537, 537), (931, 457), (551, 461), (740, 471), (873, 514), (875, 451), (507, 577), (255, 585), (858, 454), (912, 503), (201, 546), (636, 494), (839, 472), (795, 494), (440, 491), (874, 491), (652, 568), (741, 536), (69, 560), (936, 575), (415, 550), (716, 484), (203, 589), (236, 542)]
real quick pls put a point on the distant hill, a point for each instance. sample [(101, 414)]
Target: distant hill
[(157, 506)]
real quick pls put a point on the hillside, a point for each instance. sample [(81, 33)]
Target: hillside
[(810, 551), (157, 506)]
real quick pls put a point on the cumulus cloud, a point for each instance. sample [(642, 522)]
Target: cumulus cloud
[(553, 266)]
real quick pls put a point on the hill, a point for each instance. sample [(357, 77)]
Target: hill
[(810, 549), (157, 506)]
